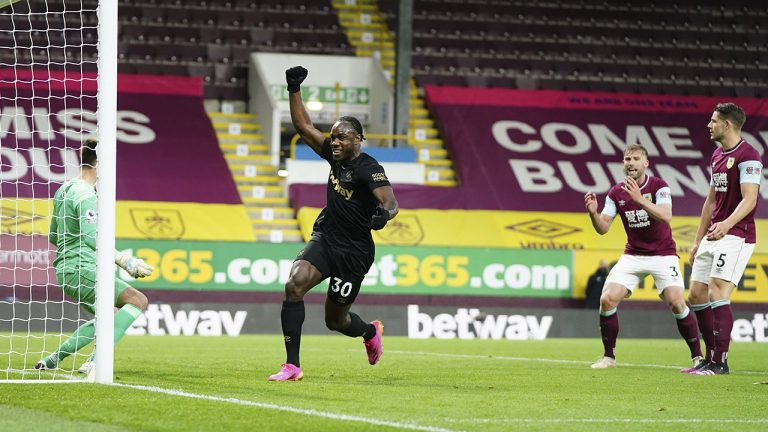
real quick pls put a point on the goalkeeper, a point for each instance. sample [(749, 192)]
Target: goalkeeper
[(73, 231)]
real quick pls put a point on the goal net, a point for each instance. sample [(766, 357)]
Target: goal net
[(49, 104)]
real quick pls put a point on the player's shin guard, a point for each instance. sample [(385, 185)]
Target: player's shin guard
[(706, 321), (609, 330), (723, 317), (358, 327), (292, 318), (686, 325), (124, 318)]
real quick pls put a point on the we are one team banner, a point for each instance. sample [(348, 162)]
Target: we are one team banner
[(542, 150)]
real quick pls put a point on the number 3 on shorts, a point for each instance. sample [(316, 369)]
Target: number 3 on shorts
[(344, 289), (675, 272)]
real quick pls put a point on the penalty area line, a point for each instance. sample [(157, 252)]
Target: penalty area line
[(285, 408), (604, 420)]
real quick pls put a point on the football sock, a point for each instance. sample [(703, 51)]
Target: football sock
[(124, 318), (723, 317), (292, 318), (358, 327), (686, 325), (706, 321), (80, 338), (609, 330)]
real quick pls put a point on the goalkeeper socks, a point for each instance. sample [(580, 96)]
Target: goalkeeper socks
[(609, 330), (686, 325), (80, 338), (124, 318), (358, 327), (292, 318), (706, 321), (723, 324)]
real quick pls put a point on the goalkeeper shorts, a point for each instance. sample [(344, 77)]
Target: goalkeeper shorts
[(81, 287)]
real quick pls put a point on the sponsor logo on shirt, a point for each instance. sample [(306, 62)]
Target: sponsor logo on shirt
[(637, 218), (345, 193), (379, 177), (720, 181)]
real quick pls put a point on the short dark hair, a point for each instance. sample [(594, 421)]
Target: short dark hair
[(636, 147), (355, 124), (731, 112), (88, 156)]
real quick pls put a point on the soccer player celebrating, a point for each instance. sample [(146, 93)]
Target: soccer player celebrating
[(645, 206), (73, 232), (726, 235), (359, 198)]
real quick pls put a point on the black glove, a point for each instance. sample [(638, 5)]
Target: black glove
[(380, 218), (294, 77)]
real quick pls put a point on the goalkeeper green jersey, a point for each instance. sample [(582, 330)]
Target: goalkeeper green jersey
[(73, 227)]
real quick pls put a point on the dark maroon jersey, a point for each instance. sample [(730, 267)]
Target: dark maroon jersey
[(741, 164), (645, 235)]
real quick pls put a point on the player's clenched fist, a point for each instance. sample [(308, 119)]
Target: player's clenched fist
[(294, 77)]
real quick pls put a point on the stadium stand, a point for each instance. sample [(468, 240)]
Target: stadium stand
[(639, 47)]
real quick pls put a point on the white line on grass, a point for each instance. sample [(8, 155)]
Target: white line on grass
[(309, 412), (605, 420), (547, 360)]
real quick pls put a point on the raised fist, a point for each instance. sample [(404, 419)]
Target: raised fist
[(294, 77)]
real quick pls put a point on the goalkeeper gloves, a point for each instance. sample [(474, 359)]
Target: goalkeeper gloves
[(136, 267), (294, 77), (380, 218)]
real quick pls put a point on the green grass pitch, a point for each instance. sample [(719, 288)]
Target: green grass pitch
[(219, 384)]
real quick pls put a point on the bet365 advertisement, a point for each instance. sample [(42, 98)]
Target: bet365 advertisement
[(212, 266)]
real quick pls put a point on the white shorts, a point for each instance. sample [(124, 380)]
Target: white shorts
[(630, 270), (724, 259)]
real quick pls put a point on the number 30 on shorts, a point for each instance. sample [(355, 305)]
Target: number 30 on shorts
[(341, 287)]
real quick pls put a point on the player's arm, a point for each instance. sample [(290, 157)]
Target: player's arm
[(748, 202), (662, 209), (86, 211), (706, 217), (388, 210), (299, 115), (601, 222), (53, 234)]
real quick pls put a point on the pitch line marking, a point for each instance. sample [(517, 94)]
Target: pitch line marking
[(547, 360), (606, 420), (309, 412)]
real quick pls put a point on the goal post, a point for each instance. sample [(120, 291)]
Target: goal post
[(58, 87), (105, 241)]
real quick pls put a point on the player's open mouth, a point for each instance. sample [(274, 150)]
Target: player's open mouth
[(336, 152)]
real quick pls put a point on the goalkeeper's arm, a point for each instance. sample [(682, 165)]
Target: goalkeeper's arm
[(136, 267)]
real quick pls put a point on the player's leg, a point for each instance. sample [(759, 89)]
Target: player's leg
[(303, 277), (669, 282), (619, 284), (341, 295), (82, 288), (730, 260), (698, 297), (612, 295), (129, 305), (674, 297), (344, 286)]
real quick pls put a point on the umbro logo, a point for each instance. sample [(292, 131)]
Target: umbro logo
[(621, 203)]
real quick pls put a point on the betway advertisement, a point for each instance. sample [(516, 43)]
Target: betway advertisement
[(542, 150), (213, 266)]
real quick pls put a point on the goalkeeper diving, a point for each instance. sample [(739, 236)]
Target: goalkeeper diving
[(73, 232)]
